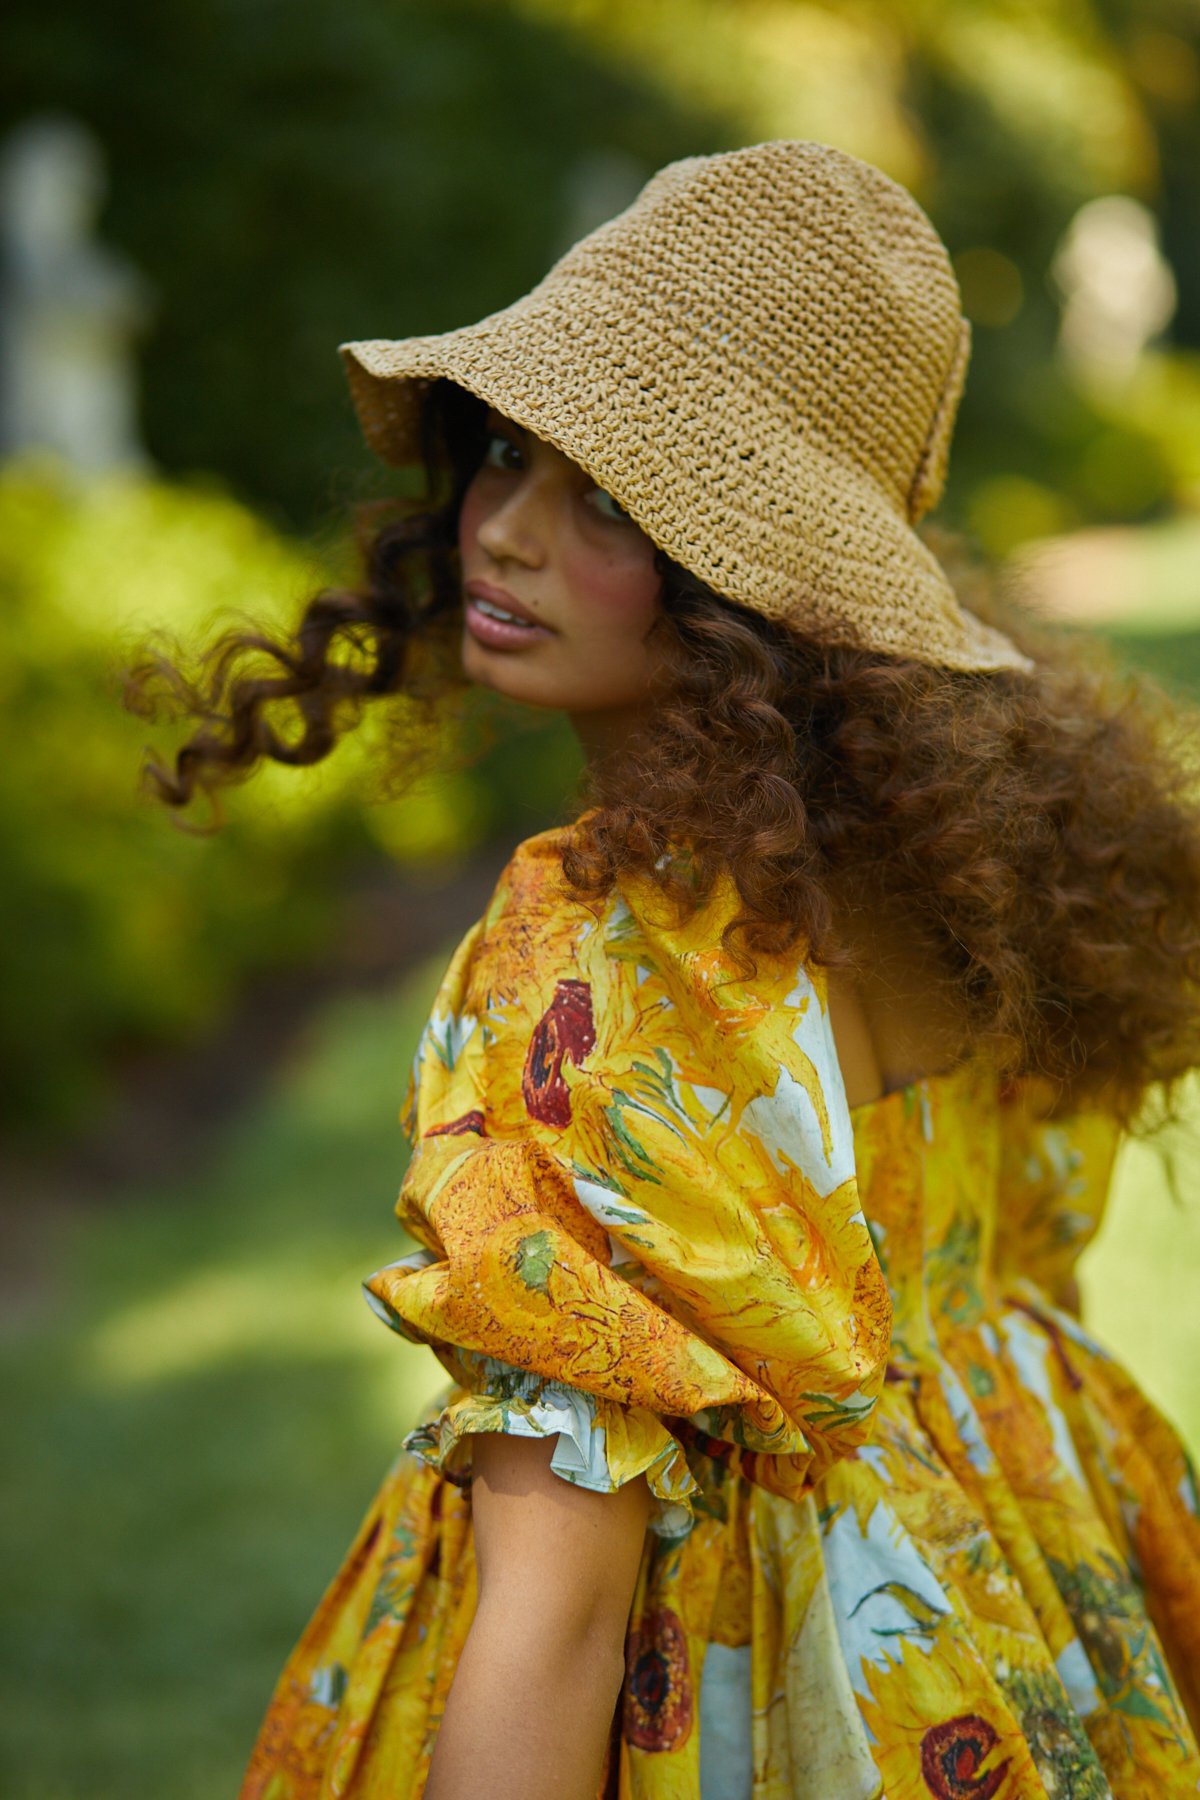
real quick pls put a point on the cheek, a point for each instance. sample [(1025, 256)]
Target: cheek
[(616, 591), (471, 515)]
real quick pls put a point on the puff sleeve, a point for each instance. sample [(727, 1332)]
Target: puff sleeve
[(633, 1186)]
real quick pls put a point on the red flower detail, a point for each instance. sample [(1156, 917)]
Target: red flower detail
[(565, 1030), (657, 1707), (468, 1121), (951, 1754)]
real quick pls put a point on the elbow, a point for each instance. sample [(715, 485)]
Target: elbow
[(559, 1646)]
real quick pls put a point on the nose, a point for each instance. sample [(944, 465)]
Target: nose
[(515, 530)]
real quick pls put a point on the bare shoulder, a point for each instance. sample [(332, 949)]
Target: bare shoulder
[(897, 1014)]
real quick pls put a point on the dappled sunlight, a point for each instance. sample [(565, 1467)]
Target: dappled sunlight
[(224, 1315), (771, 68), (1050, 86), (270, 1312), (440, 818), (128, 553), (1005, 511), (1139, 1280), (1143, 576)]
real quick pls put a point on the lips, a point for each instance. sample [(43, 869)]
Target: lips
[(498, 596), (523, 632)]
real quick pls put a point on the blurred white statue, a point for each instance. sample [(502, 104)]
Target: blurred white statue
[(70, 309), (1118, 288)]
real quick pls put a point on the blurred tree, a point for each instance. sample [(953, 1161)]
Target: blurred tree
[(1004, 118), (290, 175), (119, 929)]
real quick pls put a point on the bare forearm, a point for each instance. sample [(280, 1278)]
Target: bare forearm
[(527, 1717)]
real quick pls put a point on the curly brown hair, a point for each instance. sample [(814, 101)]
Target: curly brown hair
[(1041, 832)]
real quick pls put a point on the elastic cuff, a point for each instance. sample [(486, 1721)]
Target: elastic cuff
[(601, 1446)]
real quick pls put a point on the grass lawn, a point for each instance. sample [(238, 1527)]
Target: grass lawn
[(199, 1416), (202, 1408)]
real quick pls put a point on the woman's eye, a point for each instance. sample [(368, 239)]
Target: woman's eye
[(500, 452), (606, 505)]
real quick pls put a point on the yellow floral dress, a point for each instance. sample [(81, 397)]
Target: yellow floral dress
[(913, 1533)]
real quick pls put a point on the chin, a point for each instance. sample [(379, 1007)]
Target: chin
[(487, 668)]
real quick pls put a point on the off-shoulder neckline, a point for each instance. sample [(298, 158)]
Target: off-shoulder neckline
[(920, 1084)]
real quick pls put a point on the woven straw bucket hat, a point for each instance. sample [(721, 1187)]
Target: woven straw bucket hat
[(760, 359)]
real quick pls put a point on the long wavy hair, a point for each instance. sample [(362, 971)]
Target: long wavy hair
[(1040, 832)]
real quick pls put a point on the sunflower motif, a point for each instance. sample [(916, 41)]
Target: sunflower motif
[(687, 1250), (585, 1105), (951, 1755), (925, 1742), (566, 1030), (472, 1121), (657, 1711)]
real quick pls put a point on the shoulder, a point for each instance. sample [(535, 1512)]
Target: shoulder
[(612, 981), (533, 923), (534, 870), (654, 1013), (536, 925)]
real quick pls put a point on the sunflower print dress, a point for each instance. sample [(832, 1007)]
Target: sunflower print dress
[(913, 1532)]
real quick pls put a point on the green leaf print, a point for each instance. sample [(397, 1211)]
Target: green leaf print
[(661, 1083), (1055, 1735), (665, 1100), (598, 1178), (980, 1380), (828, 1410), (922, 1612), (1137, 1704), (535, 1259), (327, 1685), (626, 1147)]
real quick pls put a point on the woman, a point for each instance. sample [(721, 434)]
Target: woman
[(758, 1124)]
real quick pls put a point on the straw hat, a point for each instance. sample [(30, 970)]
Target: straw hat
[(760, 359)]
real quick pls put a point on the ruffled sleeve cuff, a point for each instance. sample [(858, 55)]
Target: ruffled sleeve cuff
[(600, 1445)]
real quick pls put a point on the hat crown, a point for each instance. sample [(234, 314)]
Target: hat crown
[(761, 359), (823, 288)]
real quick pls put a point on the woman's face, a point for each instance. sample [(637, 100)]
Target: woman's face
[(539, 538)]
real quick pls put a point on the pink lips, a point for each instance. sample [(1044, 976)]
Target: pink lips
[(500, 634)]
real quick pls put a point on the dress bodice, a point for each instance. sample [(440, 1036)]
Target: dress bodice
[(970, 1187)]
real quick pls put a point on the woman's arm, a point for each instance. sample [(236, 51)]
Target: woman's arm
[(532, 1700)]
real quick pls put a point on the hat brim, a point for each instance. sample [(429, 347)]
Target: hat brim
[(778, 523)]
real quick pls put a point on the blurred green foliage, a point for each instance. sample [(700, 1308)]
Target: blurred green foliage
[(291, 176), (122, 929)]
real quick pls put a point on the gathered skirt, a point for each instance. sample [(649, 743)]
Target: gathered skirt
[(999, 1596)]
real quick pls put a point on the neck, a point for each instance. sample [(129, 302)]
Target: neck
[(602, 733)]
